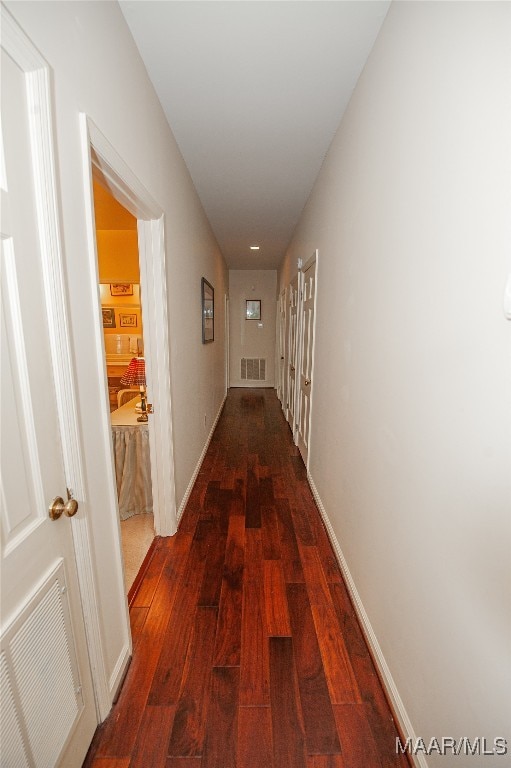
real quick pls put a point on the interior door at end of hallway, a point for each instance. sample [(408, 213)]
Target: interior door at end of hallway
[(48, 708), (306, 343)]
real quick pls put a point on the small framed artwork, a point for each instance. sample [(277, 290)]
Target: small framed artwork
[(108, 314), (208, 311), (127, 321), (121, 289), (253, 311)]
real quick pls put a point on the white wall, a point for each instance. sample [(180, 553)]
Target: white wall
[(252, 338), (411, 436), (97, 70)]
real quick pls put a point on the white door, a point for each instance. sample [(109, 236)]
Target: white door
[(304, 384), (281, 377), (48, 711), (292, 352)]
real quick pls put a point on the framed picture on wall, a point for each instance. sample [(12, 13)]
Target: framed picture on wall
[(208, 311), (121, 289), (108, 314), (127, 321), (253, 310)]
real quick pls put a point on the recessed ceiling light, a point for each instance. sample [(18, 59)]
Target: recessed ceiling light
[(254, 247)]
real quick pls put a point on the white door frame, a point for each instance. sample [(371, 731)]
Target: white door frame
[(301, 272), (103, 162), (292, 347), (100, 159)]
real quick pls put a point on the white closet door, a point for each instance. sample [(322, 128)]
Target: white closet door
[(306, 360), (292, 352), (48, 711)]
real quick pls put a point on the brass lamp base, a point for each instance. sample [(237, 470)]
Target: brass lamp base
[(143, 404)]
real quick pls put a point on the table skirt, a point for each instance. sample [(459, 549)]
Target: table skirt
[(132, 470)]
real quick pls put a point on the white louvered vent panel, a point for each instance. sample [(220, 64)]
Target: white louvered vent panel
[(253, 369), (43, 672), (13, 748)]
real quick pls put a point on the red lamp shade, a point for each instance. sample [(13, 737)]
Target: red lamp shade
[(134, 375)]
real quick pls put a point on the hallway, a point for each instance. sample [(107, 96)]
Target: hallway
[(247, 651)]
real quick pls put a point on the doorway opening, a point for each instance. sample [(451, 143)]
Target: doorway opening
[(123, 330)]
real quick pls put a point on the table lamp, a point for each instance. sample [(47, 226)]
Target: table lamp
[(134, 376)]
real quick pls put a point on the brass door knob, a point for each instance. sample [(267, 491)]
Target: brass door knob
[(307, 382), (58, 506)]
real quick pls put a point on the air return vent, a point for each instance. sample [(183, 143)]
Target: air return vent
[(253, 369), (41, 698)]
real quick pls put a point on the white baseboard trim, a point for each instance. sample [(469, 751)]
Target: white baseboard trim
[(249, 384), (196, 471), (119, 672), (385, 675)]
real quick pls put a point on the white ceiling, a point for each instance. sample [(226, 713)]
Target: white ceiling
[(254, 91)]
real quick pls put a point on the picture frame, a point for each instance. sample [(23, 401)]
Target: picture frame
[(108, 315), (253, 309), (128, 320), (208, 311), (121, 289)]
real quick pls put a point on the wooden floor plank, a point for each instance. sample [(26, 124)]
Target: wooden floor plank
[(275, 598), (317, 584), (289, 548), (152, 739), (357, 742), (255, 663), (153, 574), (210, 503), (255, 749), (174, 643), (340, 677), (318, 717), (221, 734), (338, 669), (187, 738), (253, 564), (137, 621), (253, 508), (228, 635), (270, 532), (211, 586), (266, 496), (303, 529), (287, 727)]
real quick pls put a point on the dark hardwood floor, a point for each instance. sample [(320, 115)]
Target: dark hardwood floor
[(247, 652)]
